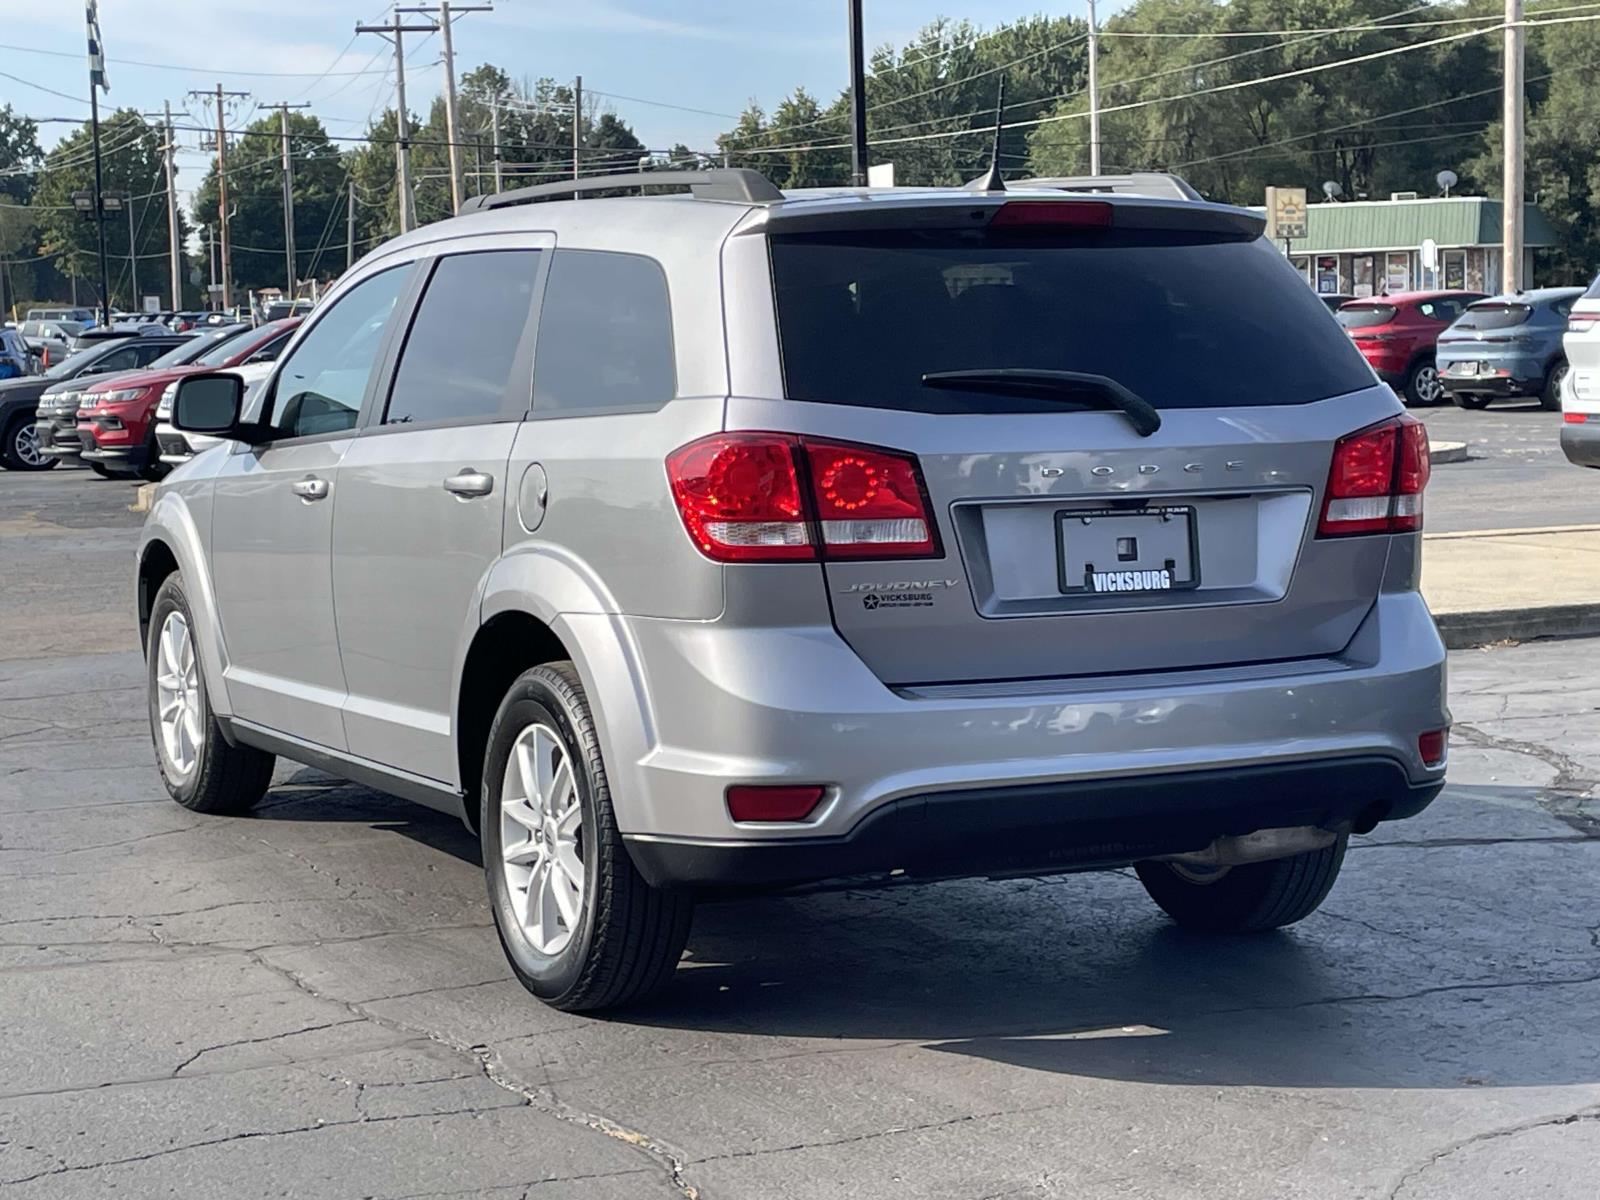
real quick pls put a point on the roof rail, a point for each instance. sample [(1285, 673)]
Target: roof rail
[(738, 184), (1137, 183)]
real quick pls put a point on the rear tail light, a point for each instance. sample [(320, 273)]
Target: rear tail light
[(1573, 418), (1431, 746), (1376, 481), (776, 803), (775, 497)]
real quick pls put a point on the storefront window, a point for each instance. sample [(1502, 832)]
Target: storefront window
[(1361, 272), (1453, 269), (1397, 272), (1327, 275)]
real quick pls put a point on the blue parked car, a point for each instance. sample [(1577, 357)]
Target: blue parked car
[(1508, 346)]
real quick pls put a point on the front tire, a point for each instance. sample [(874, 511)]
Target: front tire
[(581, 928), (1422, 384), (19, 447), (201, 770), (1245, 899)]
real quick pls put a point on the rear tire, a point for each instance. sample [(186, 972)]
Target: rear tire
[(1470, 402), (1422, 384), (1550, 398), (1249, 898), (201, 770), (101, 471), (580, 926)]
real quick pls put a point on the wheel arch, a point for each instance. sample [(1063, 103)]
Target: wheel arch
[(170, 544)]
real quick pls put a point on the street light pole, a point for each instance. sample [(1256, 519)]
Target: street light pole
[(174, 250), (858, 97), (133, 260)]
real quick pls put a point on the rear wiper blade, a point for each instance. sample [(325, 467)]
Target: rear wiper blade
[(1097, 391)]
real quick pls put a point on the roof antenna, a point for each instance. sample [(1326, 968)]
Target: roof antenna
[(993, 182)]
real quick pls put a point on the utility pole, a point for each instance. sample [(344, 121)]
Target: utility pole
[(133, 260), (1512, 191), (350, 222), (174, 249), (577, 123), (211, 248), (402, 143), (858, 98), (99, 212), (288, 194), (1094, 92), (451, 123), (221, 98), (494, 132)]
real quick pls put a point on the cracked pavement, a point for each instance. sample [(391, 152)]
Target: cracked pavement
[(311, 1001)]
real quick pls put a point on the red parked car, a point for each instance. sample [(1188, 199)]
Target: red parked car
[(118, 426), (1397, 334)]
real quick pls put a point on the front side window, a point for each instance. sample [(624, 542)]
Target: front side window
[(605, 335), (460, 353), (321, 385)]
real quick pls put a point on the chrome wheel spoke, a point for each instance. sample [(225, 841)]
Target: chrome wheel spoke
[(523, 852), (177, 681)]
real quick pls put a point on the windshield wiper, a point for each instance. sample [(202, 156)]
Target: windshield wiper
[(1092, 391)]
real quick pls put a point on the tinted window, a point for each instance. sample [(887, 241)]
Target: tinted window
[(1562, 308), (1184, 320), (1440, 310), (219, 350), (458, 358), (605, 335), (1494, 316), (320, 386), (1364, 316), (128, 358)]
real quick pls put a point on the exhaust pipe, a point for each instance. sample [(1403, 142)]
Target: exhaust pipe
[(1237, 850)]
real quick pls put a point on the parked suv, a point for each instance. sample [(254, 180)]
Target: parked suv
[(1580, 398), (117, 424), (1508, 346), (744, 539), (28, 415), (1397, 335)]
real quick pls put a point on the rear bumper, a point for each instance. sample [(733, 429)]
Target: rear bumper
[(1072, 825), (1581, 443), (1524, 376), (718, 706)]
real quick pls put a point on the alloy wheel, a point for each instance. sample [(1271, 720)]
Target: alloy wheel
[(26, 447), (541, 839), (1428, 386), (178, 696)]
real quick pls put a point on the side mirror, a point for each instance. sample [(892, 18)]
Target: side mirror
[(210, 404)]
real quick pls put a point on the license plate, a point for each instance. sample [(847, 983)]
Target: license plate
[(1117, 552), (1465, 368)]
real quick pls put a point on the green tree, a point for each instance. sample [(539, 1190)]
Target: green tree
[(255, 200), (132, 165)]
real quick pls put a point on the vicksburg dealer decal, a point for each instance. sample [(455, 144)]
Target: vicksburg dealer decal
[(902, 593)]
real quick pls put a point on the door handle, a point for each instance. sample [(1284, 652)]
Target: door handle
[(470, 483), (310, 488)]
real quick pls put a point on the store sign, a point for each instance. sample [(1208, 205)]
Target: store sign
[(1286, 213)]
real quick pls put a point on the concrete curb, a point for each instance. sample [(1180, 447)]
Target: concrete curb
[(1447, 452), (1468, 630)]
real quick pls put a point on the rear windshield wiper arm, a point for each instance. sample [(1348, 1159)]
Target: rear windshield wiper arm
[(1098, 391)]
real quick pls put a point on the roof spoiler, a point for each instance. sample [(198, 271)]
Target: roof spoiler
[(1160, 184), (737, 184)]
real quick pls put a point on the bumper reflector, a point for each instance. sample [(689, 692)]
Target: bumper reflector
[(781, 803)]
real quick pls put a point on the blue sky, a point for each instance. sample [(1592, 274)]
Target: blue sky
[(701, 54)]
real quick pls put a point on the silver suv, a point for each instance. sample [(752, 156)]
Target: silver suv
[(744, 538)]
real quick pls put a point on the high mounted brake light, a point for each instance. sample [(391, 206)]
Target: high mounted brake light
[(775, 497), (1376, 480), (1052, 214)]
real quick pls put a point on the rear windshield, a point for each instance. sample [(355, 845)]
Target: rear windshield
[(1493, 316), (1363, 316), (1183, 320)]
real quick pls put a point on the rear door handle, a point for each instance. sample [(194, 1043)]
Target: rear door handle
[(470, 483), (310, 488)]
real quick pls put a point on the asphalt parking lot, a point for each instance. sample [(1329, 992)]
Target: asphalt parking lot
[(311, 1002)]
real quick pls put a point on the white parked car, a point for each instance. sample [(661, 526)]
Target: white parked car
[(178, 446), (1580, 392)]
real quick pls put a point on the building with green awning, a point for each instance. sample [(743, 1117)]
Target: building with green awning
[(1374, 247)]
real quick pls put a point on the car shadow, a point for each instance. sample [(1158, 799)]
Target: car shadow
[(1388, 986)]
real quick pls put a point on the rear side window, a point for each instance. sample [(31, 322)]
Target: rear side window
[(460, 354), (1365, 316), (605, 335), (1494, 316), (1184, 320)]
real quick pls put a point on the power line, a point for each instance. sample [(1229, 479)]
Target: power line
[(135, 62)]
